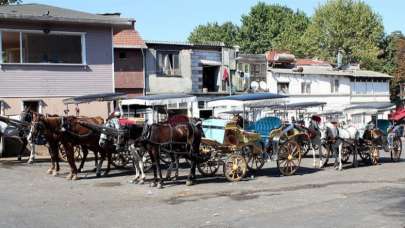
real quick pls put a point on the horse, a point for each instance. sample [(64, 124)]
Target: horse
[(183, 140), (74, 133), (126, 138), (315, 141), (337, 136), (49, 127)]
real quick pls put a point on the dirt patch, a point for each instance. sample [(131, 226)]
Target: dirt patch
[(10, 164)]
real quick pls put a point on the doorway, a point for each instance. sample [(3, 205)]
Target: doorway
[(33, 106), (210, 78)]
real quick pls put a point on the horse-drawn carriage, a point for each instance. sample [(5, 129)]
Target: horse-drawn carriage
[(13, 135), (247, 147), (378, 134)]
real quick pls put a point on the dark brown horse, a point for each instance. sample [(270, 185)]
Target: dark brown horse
[(75, 134), (182, 140)]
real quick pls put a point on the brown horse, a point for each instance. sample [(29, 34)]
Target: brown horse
[(74, 133), (49, 127), (182, 140)]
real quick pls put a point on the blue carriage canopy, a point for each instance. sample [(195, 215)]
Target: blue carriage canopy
[(161, 99), (247, 100), (95, 97), (370, 107)]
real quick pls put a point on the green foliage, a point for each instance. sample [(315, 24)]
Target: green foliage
[(226, 33), (272, 27), (347, 25), (8, 2)]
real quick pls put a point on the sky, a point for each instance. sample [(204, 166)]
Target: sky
[(173, 20)]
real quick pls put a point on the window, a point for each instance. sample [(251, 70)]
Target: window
[(246, 68), (168, 63), (283, 87), (11, 47), (306, 88), (123, 55), (38, 47), (334, 86)]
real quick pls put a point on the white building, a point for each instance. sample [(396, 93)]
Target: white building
[(338, 88)]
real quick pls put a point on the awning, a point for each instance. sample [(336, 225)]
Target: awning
[(95, 97), (370, 108), (248, 99), (210, 62), (160, 99)]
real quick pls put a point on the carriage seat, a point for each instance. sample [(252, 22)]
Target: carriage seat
[(265, 125), (126, 122), (383, 125)]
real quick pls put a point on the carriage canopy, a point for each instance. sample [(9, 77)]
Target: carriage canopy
[(95, 97), (161, 99), (247, 100)]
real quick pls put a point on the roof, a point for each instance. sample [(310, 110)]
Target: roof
[(252, 58), (161, 99), (371, 107), (326, 71), (129, 38), (247, 99), (293, 106), (46, 13), (311, 62), (95, 97), (180, 43)]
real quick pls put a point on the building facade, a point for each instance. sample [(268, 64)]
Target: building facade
[(51, 53), (129, 51), (204, 70)]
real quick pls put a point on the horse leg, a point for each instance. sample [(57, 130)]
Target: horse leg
[(85, 153), (193, 160), (100, 163), (159, 170), (340, 156), (32, 154), (155, 160), (313, 155), (176, 174), (109, 161), (51, 154), (55, 159), (95, 161), (24, 146), (71, 160)]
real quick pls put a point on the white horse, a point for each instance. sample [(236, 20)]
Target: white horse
[(339, 135), (316, 142), (128, 141)]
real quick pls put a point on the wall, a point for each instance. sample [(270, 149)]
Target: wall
[(129, 70), (54, 105), (168, 84), (19, 80), (197, 67)]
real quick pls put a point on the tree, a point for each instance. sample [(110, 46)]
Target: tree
[(347, 25), (8, 2), (272, 27), (227, 33)]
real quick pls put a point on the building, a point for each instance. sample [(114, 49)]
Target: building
[(51, 53), (311, 80), (251, 73), (203, 70), (129, 51)]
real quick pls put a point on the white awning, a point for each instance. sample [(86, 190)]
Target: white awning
[(161, 99), (210, 62)]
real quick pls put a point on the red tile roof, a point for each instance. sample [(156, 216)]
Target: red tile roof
[(129, 38)]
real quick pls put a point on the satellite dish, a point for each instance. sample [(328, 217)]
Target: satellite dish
[(254, 85), (263, 85)]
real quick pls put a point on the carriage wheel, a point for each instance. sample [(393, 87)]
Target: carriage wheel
[(77, 153), (255, 161), (119, 160), (326, 152), (289, 158), (209, 168), (235, 168), (396, 150), (374, 155)]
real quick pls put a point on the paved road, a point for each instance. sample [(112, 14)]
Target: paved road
[(361, 197)]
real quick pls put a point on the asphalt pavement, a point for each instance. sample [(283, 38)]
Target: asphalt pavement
[(367, 196)]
